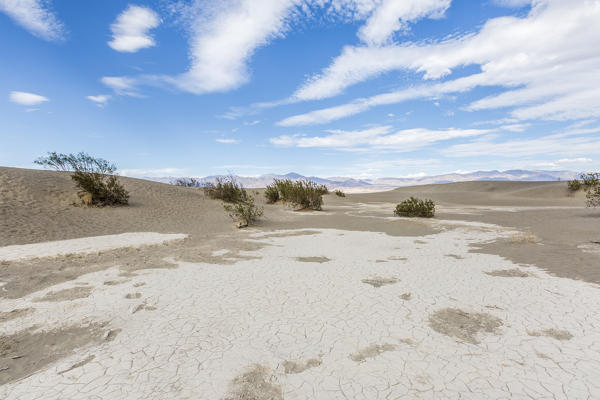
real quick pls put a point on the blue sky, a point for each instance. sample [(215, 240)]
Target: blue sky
[(360, 88)]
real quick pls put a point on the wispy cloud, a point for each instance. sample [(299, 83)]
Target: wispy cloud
[(100, 99), (571, 145), (27, 99), (36, 16), (121, 85), (382, 138), (549, 56), (224, 35), (227, 141), (392, 15), (131, 29)]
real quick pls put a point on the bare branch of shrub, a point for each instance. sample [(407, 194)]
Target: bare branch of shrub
[(94, 177)]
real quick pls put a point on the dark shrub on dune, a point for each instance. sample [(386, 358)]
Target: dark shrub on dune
[(272, 194), (574, 185), (304, 194), (240, 207), (591, 185), (414, 207), (187, 182), (226, 189), (339, 193), (245, 212), (94, 177)]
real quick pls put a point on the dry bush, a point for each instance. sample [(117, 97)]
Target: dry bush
[(188, 182), (574, 185), (305, 194), (414, 207), (591, 185), (94, 177), (226, 189), (272, 194), (339, 193), (246, 212)]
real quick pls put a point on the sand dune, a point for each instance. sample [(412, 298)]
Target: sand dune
[(495, 297)]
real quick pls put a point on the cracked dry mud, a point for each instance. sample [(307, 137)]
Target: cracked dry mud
[(267, 326)]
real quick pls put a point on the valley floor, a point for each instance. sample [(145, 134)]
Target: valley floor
[(487, 300)]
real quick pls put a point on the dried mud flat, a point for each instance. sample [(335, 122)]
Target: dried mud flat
[(272, 326)]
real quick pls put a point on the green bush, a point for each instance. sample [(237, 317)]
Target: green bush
[(591, 185), (414, 207), (226, 189), (246, 212), (574, 185), (339, 193), (272, 194), (188, 182), (94, 177), (305, 194)]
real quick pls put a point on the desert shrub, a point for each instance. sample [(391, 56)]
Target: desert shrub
[(305, 194), (246, 212), (188, 182), (591, 185), (272, 194), (94, 177), (574, 185), (589, 180), (339, 193), (226, 189), (414, 207)]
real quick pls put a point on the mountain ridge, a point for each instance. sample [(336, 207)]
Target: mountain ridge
[(389, 183)]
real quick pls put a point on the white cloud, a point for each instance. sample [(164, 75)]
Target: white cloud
[(548, 61), (27, 99), (121, 85), (568, 144), (224, 35), (227, 141), (130, 30), (392, 16), (377, 138), (100, 99), (35, 16), (581, 160), (513, 3)]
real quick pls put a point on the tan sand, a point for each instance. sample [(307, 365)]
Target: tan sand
[(348, 303)]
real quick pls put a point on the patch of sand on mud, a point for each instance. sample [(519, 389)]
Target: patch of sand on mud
[(509, 273), (296, 367), (78, 292), (379, 281), (30, 350), (463, 325), (371, 351), (255, 384), (553, 333), (319, 260)]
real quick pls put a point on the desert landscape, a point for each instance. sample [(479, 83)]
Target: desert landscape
[(299, 199), (494, 297)]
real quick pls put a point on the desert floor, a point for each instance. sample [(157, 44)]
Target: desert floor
[(496, 297)]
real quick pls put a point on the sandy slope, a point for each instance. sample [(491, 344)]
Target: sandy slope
[(350, 302)]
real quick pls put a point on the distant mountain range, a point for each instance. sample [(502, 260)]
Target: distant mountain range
[(380, 184)]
